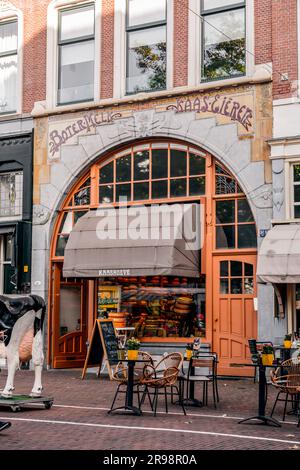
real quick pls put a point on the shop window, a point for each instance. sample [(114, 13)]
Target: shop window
[(70, 309), (223, 39), (8, 66), (235, 226), (76, 43), (146, 45), (82, 197), (158, 171), (296, 191), (298, 309), (67, 223), (225, 183), (236, 278), (11, 194), (157, 306)]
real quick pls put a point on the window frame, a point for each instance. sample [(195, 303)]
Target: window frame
[(20, 215), (292, 192), (206, 13), (141, 27), (72, 41)]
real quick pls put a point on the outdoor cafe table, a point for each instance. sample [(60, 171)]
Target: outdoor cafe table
[(261, 418), (129, 392)]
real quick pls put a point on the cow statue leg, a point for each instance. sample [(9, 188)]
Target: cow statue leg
[(12, 350), (38, 361)]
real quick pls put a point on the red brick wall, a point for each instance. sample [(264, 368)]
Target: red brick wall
[(180, 51), (263, 31), (284, 46), (107, 49)]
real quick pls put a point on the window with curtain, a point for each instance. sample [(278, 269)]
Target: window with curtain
[(8, 66), (146, 45), (76, 46), (11, 194), (223, 39)]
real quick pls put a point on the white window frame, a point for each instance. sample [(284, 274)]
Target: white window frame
[(120, 49), (195, 46), (52, 51), (289, 184), (9, 12)]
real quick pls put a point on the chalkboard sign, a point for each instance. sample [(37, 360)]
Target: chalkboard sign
[(104, 345)]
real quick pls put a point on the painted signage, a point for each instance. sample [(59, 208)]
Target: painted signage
[(85, 124), (216, 104)]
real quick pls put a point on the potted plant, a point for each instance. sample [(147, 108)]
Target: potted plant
[(287, 343), (267, 356), (189, 351), (133, 346)]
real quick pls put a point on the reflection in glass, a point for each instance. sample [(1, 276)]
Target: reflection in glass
[(197, 186), (247, 236), (107, 173), (244, 211), (178, 163), (140, 191), (224, 45), (248, 269), (297, 173), (78, 215), (248, 285), (146, 66), (297, 212), (225, 236), (66, 223), (212, 4), (82, 197), (106, 194), (236, 286), (123, 191), (297, 193), (159, 163), (159, 189), (70, 309), (225, 185), (225, 212), (141, 165), (197, 164), (236, 268), (178, 188), (61, 245), (123, 168), (224, 288), (224, 268)]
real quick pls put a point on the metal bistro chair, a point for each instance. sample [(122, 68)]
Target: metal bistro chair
[(121, 375), (288, 384), (162, 377), (205, 372)]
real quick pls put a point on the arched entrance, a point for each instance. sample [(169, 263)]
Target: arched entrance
[(156, 172)]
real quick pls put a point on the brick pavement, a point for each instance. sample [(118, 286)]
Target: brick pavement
[(79, 420)]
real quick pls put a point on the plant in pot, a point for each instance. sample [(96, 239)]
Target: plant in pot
[(287, 343), (267, 356), (189, 351), (133, 346)]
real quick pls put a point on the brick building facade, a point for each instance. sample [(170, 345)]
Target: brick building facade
[(158, 77)]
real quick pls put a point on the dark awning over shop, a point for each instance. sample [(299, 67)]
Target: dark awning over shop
[(279, 255), (154, 241)]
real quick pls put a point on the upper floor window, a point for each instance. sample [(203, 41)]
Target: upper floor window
[(296, 191), (223, 39), (146, 26), (76, 44), (11, 194), (8, 66)]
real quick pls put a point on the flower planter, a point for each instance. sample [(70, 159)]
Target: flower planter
[(188, 353), (267, 359), (287, 344), (132, 354)]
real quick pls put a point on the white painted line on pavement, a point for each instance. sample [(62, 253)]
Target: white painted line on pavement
[(144, 428)]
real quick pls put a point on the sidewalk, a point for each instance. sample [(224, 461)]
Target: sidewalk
[(79, 420)]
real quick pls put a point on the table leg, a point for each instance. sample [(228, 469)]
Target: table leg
[(190, 386), (129, 393), (261, 417)]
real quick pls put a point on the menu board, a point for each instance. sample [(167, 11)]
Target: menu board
[(104, 345)]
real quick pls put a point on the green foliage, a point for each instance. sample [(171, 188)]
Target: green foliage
[(268, 350), (133, 343), (153, 59), (225, 59)]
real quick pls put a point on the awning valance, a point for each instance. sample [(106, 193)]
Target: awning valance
[(279, 255), (157, 240)]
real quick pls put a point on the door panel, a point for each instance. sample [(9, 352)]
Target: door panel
[(69, 322), (234, 317)]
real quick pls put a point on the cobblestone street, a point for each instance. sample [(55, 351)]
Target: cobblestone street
[(79, 419)]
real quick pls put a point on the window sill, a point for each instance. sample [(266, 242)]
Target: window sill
[(42, 110)]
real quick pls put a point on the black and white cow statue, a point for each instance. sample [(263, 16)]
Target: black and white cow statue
[(18, 315)]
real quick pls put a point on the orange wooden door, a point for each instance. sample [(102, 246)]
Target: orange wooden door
[(69, 321), (234, 317)]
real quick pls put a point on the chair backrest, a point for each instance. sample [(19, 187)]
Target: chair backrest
[(170, 360), (205, 364)]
